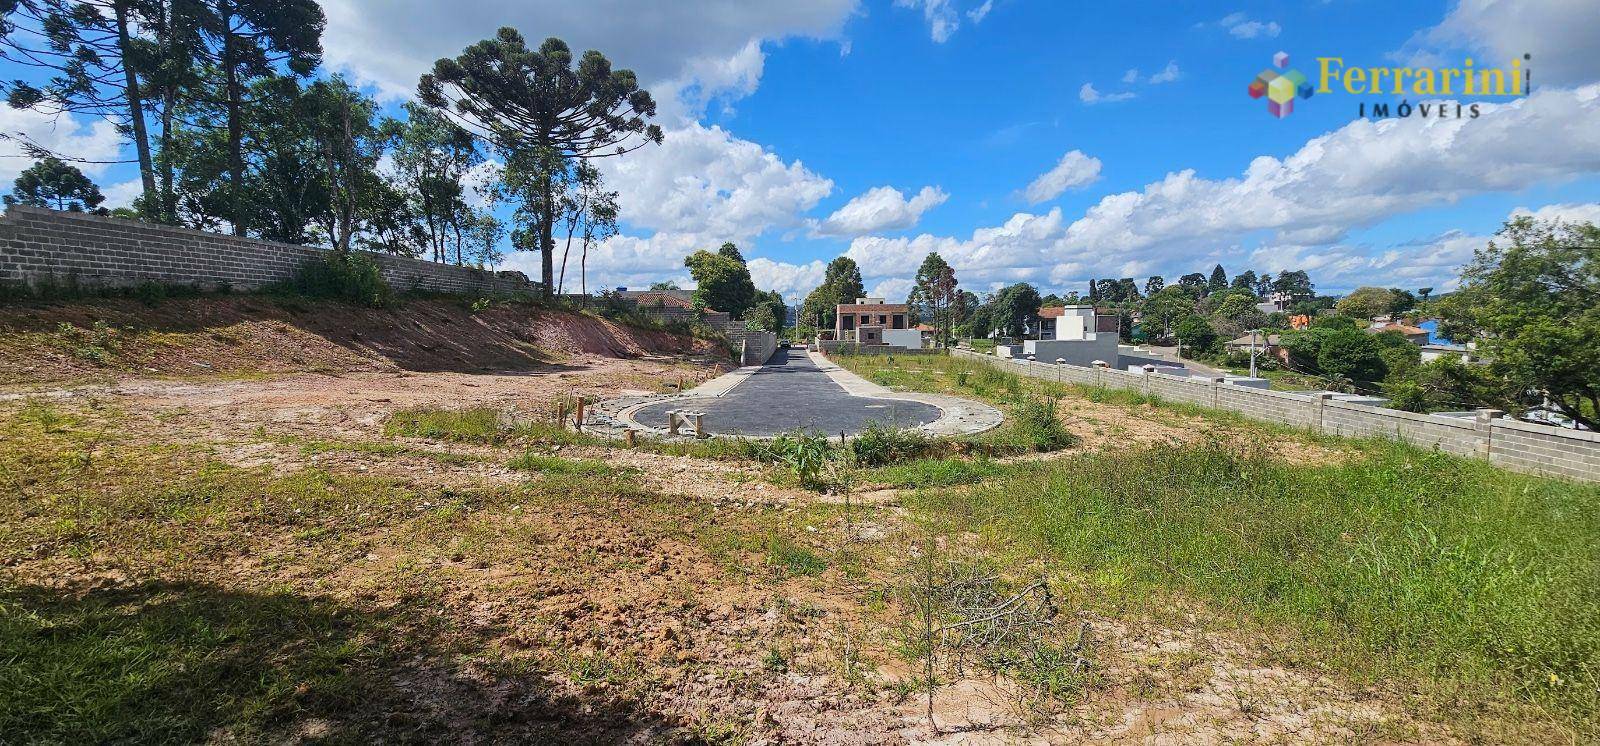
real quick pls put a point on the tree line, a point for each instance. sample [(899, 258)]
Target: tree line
[(231, 131), (1528, 304)]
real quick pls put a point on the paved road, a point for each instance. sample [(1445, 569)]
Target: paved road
[(791, 393)]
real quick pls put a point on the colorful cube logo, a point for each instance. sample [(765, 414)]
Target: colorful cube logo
[(1280, 88)]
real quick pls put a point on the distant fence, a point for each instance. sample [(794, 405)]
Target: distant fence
[(93, 250), (1484, 434)]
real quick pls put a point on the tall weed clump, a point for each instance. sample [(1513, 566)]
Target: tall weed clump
[(343, 275)]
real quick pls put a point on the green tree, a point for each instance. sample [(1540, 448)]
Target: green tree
[(246, 41), (57, 185), (348, 143), (841, 283), (1236, 305), (1194, 283), (1295, 285), (1218, 281), (845, 277), (1352, 355), (934, 295), (1128, 290), (1154, 285), (1016, 307), (731, 251), (431, 158), (768, 313), (539, 103), (1399, 362), (1164, 309), (721, 284), (1449, 384), (1109, 291), (1532, 298), (1195, 333), (1404, 301), (1336, 322), (1245, 280), (94, 50), (1366, 302)]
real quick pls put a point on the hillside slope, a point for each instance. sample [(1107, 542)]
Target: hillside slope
[(243, 335)]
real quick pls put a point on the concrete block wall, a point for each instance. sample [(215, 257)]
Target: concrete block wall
[(756, 348), (1268, 406), (1522, 446), (1513, 445), (36, 243), (1457, 435)]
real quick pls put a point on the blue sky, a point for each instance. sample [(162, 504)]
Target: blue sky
[(1032, 140)]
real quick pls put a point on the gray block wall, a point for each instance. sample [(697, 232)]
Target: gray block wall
[(1510, 444), (36, 243)]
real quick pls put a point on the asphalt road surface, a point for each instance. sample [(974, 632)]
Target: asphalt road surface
[(791, 393)]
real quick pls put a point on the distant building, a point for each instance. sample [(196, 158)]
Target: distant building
[(1415, 335), (1075, 334), (1459, 353), (1264, 343), (1275, 302), (871, 321)]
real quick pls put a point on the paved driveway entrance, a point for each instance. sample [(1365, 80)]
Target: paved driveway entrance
[(791, 393)]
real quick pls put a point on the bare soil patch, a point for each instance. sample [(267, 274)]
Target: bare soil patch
[(246, 335)]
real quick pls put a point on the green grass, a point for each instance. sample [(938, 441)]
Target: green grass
[(480, 425), (935, 472), (1403, 563), (313, 446), (170, 662), (789, 559), (475, 425), (572, 466)]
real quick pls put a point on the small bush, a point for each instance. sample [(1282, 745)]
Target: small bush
[(343, 275), (879, 444), (805, 454), (150, 293), (96, 344), (1035, 427)]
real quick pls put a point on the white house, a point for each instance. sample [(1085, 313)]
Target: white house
[(1075, 334)]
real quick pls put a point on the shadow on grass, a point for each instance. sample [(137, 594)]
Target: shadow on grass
[(187, 662)]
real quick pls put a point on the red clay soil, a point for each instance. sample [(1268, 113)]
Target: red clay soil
[(260, 334)]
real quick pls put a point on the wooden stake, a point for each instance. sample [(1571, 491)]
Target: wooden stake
[(628, 435), (561, 413), (580, 413)]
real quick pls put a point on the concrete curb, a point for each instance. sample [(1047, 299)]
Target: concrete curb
[(957, 416)]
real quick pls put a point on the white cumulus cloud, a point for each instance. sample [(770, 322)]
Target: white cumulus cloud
[(1073, 170), (1242, 26), (1559, 34), (71, 137), (879, 209), (940, 14), (1091, 95), (703, 180)]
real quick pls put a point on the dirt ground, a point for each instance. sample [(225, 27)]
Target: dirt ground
[(652, 607), (700, 627)]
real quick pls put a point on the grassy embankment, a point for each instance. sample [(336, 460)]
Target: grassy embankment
[(1396, 563)]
